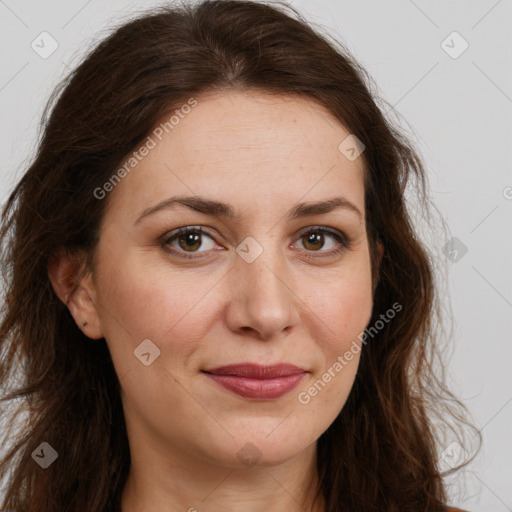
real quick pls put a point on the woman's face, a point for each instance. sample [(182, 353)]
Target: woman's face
[(261, 287)]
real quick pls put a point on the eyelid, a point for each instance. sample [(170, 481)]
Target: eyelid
[(323, 229)]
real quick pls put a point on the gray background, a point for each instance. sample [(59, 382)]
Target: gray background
[(458, 112)]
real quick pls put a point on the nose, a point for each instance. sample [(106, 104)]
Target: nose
[(263, 300)]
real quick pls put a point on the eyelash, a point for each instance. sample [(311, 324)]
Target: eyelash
[(341, 238)]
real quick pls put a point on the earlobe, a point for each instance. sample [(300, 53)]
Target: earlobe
[(75, 291)]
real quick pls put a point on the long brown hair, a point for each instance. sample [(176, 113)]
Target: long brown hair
[(381, 452)]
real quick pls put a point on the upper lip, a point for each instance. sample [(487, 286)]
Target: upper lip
[(257, 371)]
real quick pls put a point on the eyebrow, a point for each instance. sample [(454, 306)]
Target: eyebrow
[(224, 210)]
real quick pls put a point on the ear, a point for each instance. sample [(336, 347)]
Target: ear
[(76, 291)]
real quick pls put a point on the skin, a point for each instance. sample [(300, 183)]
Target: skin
[(262, 154)]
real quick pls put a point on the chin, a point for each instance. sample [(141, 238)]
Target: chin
[(271, 447)]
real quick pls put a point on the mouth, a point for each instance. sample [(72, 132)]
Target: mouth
[(257, 382)]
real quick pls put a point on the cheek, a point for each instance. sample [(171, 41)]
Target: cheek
[(172, 310), (340, 303), (147, 302), (341, 313), (343, 306), (341, 309)]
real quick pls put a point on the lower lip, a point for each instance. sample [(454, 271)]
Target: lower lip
[(258, 389)]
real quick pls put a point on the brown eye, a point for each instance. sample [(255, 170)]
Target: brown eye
[(313, 240), (189, 240), (317, 239)]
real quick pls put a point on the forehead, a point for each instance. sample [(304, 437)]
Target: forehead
[(246, 148), (260, 124)]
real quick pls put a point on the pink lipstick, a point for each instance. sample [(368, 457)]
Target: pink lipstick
[(257, 382)]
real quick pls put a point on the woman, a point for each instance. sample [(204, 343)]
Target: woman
[(213, 282)]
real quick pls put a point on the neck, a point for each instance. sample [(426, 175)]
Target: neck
[(201, 486)]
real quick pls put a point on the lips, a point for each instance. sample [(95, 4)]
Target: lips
[(257, 382)]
